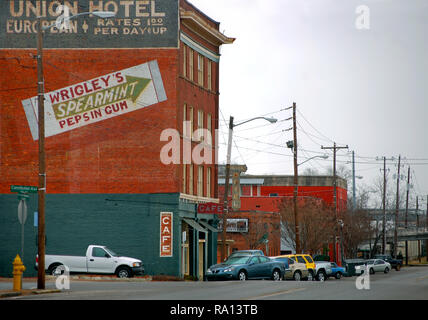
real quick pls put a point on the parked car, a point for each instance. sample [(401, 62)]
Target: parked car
[(373, 265), (293, 270), (307, 260), (337, 271), (322, 270), (246, 267), (395, 263), (98, 259)]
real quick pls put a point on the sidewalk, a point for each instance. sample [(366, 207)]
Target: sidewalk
[(26, 282)]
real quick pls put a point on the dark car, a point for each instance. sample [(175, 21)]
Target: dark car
[(395, 263), (243, 267)]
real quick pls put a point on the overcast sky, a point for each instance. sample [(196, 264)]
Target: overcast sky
[(365, 88)]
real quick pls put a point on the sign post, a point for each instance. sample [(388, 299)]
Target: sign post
[(22, 207), (22, 217)]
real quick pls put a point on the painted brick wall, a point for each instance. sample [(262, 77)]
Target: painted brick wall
[(118, 155), (128, 224)]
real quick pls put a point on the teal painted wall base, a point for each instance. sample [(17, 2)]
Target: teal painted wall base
[(129, 224)]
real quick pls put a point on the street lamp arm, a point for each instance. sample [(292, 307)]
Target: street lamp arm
[(322, 157), (271, 120)]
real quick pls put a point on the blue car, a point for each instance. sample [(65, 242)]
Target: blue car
[(246, 267), (337, 271)]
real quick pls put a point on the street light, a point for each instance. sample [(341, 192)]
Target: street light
[(226, 182), (41, 128), (324, 156)]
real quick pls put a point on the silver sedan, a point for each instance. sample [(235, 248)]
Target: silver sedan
[(373, 265)]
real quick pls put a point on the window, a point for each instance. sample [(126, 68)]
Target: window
[(300, 259), (191, 64), (184, 60), (185, 126), (209, 77), (200, 124), (208, 182), (209, 128), (190, 130), (309, 259), (184, 178), (191, 179), (200, 191), (200, 70), (99, 253), (264, 259), (255, 260)]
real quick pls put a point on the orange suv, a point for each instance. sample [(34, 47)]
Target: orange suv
[(307, 260)]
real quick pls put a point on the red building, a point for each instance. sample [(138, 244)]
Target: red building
[(101, 145), (260, 196)]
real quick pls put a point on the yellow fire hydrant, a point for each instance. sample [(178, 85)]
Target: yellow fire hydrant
[(18, 270)]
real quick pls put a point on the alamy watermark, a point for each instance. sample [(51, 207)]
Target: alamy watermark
[(62, 281), (362, 22), (204, 152), (362, 282)]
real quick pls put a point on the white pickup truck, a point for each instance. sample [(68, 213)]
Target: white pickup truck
[(322, 270), (98, 259)]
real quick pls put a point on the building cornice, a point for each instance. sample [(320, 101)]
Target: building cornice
[(195, 23)]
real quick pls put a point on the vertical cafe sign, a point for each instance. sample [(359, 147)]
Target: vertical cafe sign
[(166, 234), (137, 24)]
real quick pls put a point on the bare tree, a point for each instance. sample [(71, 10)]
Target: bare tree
[(316, 223), (357, 229)]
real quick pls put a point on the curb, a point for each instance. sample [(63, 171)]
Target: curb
[(23, 292), (10, 294)]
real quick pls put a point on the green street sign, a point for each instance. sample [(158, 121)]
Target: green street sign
[(30, 189), (23, 196)]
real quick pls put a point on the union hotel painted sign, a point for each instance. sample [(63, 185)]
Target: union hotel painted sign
[(137, 24), (98, 99)]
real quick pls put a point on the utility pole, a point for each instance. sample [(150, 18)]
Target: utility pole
[(226, 190), (417, 228), (396, 209), (42, 159), (384, 202), (296, 180), (426, 229), (353, 181), (406, 219), (335, 148), (384, 208)]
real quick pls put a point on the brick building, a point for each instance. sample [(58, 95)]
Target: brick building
[(260, 196), (106, 180)]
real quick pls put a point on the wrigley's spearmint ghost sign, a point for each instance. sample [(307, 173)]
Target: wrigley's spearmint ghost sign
[(97, 99)]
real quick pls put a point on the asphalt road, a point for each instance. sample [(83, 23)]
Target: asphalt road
[(410, 283)]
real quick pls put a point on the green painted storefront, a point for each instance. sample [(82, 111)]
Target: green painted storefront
[(129, 224)]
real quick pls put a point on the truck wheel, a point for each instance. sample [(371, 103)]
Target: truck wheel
[(123, 272), (56, 269), (338, 275), (297, 276), (321, 276)]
